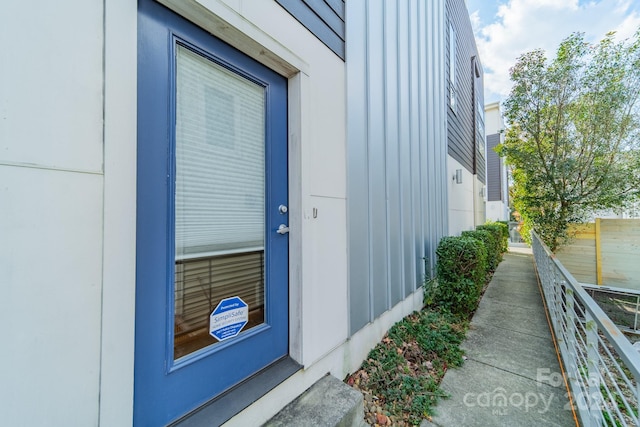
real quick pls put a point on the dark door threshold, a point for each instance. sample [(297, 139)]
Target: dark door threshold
[(222, 408)]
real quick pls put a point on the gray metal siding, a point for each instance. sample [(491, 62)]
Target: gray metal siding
[(397, 150), (494, 169), (358, 171), (324, 18), (461, 123), (377, 159), (392, 114)]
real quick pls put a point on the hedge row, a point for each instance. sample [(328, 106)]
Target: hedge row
[(463, 266), (500, 230)]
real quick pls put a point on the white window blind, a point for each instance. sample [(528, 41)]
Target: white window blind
[(219, 180)]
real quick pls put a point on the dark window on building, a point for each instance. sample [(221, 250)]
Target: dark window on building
[(480, 125), (453, 96)]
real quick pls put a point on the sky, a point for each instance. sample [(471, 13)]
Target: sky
[(505, 29)]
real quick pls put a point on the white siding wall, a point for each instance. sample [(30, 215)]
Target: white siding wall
[(51, 218), (479, 202), (50, 271), (493, 118), (67, 212), (497, 211), (461, 202), (323, 297), (119, 224)]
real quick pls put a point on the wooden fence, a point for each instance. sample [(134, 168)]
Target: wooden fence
[(606, 252)]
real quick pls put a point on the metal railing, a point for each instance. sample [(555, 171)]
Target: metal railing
[(602, 367), (622, 305)]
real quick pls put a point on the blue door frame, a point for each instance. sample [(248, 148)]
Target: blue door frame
[(164, 389)]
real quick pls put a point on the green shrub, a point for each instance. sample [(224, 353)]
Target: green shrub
[(501, 231), (504, 226), (461, 272), (491, 243)]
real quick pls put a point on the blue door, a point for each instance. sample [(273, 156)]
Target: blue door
[(212, 243)]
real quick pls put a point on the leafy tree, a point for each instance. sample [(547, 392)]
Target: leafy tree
[(573, 142)]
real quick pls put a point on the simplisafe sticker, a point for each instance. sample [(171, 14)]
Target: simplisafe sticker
[(228, 319)]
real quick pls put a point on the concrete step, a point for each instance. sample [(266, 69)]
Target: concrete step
[(327, 403)]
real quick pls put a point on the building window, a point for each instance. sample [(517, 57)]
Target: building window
[(219, 196), (452, 68), (480, 125)]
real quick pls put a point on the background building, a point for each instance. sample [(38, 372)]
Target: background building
[(497, 178)]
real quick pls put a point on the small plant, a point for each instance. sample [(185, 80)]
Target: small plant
[(404, 370), (461, 273)]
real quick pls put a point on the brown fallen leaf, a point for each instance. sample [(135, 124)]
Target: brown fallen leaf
[(382, 419)]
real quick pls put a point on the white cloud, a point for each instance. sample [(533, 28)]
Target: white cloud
[(475, 21), (524, 25)]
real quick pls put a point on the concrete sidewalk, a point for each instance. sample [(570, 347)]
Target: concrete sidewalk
[(512, 376)]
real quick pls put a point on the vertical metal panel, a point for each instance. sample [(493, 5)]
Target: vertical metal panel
[(435, 182), (415, 142), (437, 141), (357, 168), (397, 132), (404, 143), (439, 118), (394, 211), (430, 218), (424, 215), (439, 26), (377, 158)]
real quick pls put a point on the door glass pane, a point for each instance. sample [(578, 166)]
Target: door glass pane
[(219, 201)]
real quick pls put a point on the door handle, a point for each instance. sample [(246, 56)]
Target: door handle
[(282, 229)]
